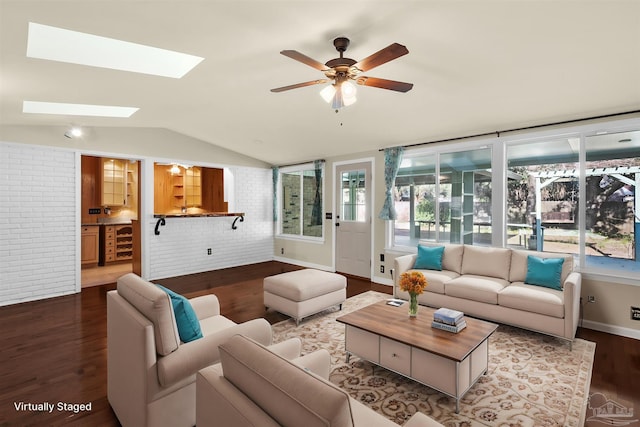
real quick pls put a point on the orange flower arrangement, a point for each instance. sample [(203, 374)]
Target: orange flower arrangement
[(413, 282)]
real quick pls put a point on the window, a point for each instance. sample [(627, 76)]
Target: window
[(301, 201), (573, 191), (542, 195), (444, 197), (612, 214)]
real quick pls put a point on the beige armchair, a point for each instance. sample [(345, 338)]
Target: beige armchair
[(151, 373)]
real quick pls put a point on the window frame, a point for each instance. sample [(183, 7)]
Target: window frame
[(301, 169), (437, 152), (499, 167)]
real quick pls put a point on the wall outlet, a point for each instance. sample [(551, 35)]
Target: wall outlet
[(382, 269), (381, 257), (591, 298), (208, 251), (281, 251), (635, 313)]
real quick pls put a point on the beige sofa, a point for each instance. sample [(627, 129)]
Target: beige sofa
[(488, 282), (255, 387), (150, 372)]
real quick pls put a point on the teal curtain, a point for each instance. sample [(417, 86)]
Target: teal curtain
[(275, 172), (316, 212), (392, 160)]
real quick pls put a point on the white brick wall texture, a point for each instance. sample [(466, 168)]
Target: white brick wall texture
[(38, 227), (37, 223), (181, 247)]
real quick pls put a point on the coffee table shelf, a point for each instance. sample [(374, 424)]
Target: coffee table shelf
[(448, 362)]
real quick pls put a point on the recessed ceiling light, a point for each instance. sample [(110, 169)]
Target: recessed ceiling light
[(59, 44), (74, 132), (37, 107)]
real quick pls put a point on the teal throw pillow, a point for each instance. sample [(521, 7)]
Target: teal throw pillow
[(429, 258), (544, 272), (186, 318)]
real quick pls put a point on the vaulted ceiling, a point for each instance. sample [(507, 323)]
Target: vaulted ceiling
[(476, 65)]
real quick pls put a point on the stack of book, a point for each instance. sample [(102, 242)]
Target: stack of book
[(448, 320)]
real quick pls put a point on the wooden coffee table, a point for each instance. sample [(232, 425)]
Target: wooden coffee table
[(448, 362)]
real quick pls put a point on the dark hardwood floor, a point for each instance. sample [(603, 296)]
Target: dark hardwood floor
[(54, 350)]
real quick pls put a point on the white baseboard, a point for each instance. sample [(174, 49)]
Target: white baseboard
[(382, 280), (611, 329), (304, 264)]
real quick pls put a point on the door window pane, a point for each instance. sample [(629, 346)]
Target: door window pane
[(353, 196)]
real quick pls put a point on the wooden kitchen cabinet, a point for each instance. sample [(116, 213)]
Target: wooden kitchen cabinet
[(114, 182), (117, 243), (124, 242), (90, 247)]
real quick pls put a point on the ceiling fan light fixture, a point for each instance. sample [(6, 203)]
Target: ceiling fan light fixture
[(348, 91), (338, 101), (327, 93)]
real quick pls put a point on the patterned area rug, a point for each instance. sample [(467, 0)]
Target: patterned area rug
[(533, 379)]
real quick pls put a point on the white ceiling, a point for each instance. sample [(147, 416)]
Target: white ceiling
[(477, 66)]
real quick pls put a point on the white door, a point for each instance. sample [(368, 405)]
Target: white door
[(353, 219)]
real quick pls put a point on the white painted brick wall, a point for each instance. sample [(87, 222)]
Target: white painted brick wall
[(37, 223), (181, 247), (38, 227)]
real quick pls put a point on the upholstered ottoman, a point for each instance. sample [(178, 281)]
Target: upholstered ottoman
[(305, 292)]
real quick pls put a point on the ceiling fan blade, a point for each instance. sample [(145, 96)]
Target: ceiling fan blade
[(384, 83), (295, 86), (385, 55), (294, 54)]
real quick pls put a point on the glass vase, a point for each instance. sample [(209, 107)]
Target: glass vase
[(413, 304)]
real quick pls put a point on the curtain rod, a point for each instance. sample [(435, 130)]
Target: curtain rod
[(498, 132), (299, 164)]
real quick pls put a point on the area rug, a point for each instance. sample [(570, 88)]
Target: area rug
[(532, 380)]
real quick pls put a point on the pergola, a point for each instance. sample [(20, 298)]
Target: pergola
[(546, 178)]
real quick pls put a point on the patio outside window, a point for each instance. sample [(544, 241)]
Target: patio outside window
[(574, 193), (444, 197)]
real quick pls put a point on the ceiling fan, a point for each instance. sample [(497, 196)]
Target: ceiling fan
[(342, 71)]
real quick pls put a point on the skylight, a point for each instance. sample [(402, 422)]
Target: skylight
[(59, 44), (38, 107)]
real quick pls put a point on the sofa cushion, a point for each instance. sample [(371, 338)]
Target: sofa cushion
[(519, 264), (531, 298), (435, 280), (286, 392), (451, 257), (429, 258), (476, 288), (155, 305), (214, 324), (186, 319), (486, 261), (544, 272)]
